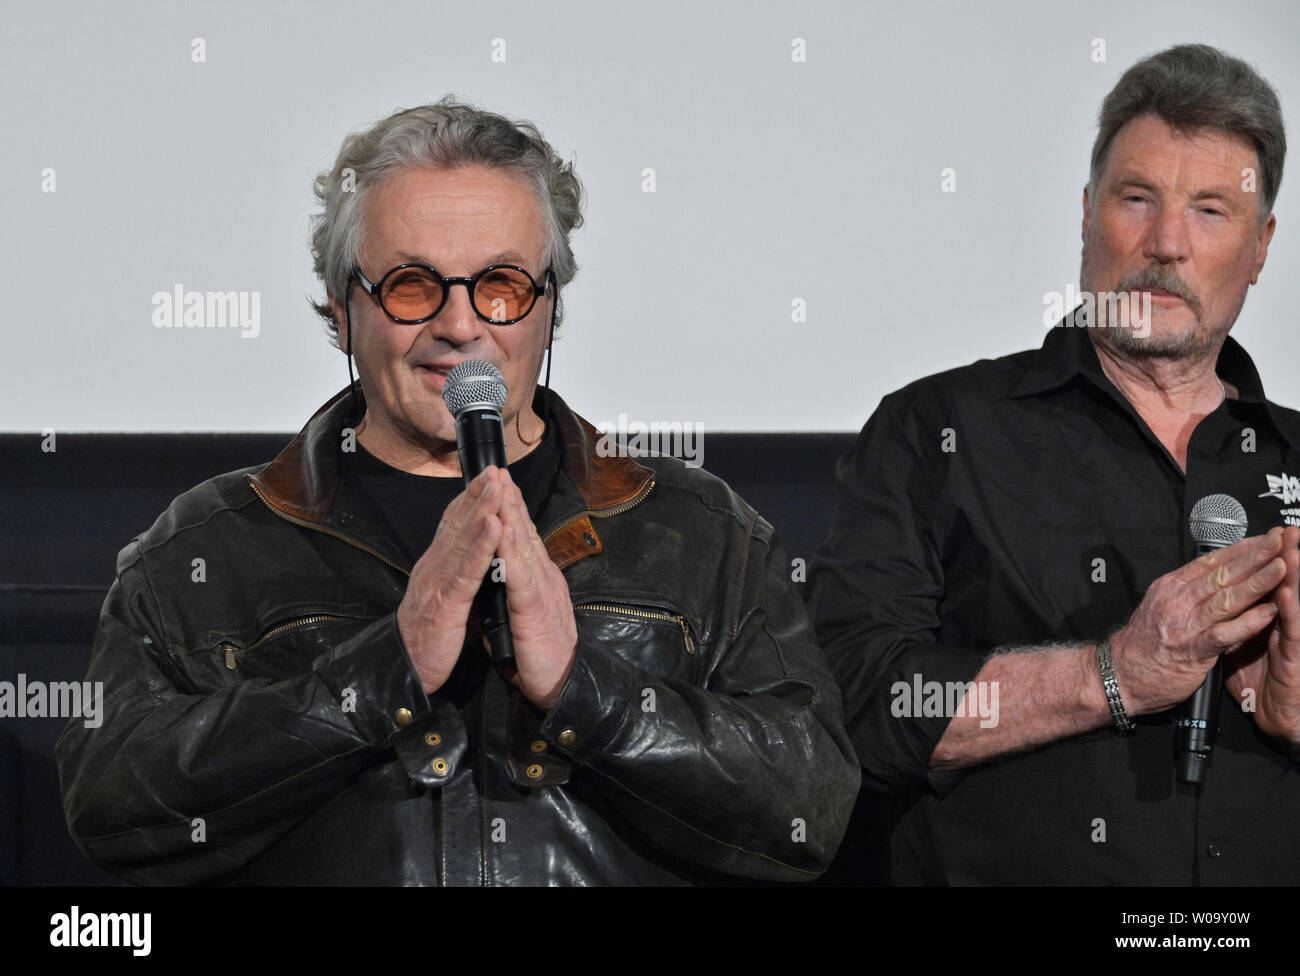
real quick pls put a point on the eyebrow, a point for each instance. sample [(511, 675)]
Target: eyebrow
[(1124, 180), (1210, 193)]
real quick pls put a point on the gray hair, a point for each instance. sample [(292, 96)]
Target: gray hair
[(1191, 87), (447, 134)]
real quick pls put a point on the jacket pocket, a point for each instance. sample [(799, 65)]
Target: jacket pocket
[(287, 648), (652, 638)]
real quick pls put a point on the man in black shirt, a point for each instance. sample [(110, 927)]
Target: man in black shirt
[(320, 708), (1022, 524)]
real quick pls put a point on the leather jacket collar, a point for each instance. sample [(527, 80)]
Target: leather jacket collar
[(303, 480)]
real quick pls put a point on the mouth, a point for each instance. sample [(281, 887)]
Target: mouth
[(434, 374), (1158, 297)]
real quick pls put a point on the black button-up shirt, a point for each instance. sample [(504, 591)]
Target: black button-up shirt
[(1023, 501)]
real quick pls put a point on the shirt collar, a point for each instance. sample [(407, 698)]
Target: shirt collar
[(1068, 352)]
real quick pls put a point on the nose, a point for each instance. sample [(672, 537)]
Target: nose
[(456, 321), (1167, 238)]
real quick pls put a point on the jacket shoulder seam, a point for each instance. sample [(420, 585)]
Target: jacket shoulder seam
[(147, 544), (700, 498)]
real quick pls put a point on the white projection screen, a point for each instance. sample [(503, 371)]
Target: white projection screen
[(846, 195)]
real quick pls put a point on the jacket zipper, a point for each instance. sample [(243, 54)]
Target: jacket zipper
[(650, 614), (604, 512), (232, 649)]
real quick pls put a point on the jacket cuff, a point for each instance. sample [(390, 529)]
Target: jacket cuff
[(376, 683), (600, 698), (427, 731)]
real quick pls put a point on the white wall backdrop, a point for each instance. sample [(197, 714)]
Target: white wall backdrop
[(775, 179)]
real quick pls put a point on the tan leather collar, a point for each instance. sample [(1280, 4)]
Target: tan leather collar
[(303, 478)]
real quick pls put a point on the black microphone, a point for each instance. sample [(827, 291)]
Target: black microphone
[(475, 393), (1216, 522)]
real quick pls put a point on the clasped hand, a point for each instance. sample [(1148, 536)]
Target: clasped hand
[(489, 519)]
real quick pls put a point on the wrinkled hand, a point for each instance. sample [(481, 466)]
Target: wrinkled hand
[(1267, 668), (1190, 616), (435, 610), (541, 612)]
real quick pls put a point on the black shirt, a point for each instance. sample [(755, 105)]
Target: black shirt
[(1023, 500), (412, 505)]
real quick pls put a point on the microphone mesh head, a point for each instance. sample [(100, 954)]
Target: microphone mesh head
[(1217, 521), (474, 383)]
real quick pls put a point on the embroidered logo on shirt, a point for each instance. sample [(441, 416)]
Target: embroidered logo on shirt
[(1284, 487)]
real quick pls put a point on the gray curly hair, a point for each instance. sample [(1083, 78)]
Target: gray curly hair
[(447, 134)]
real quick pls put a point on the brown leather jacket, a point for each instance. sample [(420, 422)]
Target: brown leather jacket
[(263, 722)]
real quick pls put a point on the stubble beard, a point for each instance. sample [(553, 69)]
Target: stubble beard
[(1192, 342)]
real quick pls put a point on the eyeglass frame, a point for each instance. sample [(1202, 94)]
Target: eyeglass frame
[(375, 289)]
